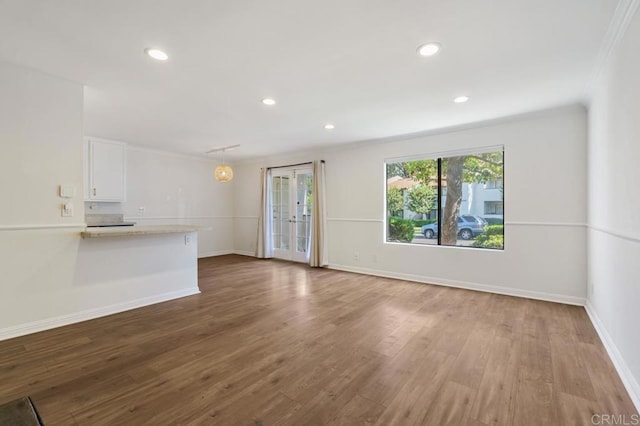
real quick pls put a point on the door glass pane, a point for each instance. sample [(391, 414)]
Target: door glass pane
[(285, 236), (303, 189), (301, 246), (275, 234), (280, 212)]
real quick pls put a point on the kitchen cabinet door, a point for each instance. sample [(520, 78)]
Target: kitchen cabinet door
[(107, 171)]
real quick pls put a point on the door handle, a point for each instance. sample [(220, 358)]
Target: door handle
[(94, 191)]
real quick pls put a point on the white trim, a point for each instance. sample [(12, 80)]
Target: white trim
[(353, 219), (245, 253), (142, 148), (560, 224), (129, 218), (145, 148), (225, 252), (49, 323), (557, 224), (214, 253), (549, 297), (629, 382), (331, 219), (285, 170), (463, 127), (37, 71), (453, 128), (620, 21), (444, 247), (614, 234), (445, 154), (26, 227)]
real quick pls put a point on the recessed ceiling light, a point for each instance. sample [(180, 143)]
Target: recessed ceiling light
[(429, 49), (461, 99), (156, 54), (329, 126), (269, 101)]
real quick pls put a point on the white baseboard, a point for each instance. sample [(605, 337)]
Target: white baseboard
[(549, 297), (225, 252), (214, 253), (628, 380), (49, 323)]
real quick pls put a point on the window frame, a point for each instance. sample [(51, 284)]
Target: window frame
[(494, 204), (438, 157)]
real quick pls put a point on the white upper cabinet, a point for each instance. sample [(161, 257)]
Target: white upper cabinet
[(106, 165)]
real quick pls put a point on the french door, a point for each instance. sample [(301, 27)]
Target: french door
[(291, 213)]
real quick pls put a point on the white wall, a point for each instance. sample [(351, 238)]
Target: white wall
[(41, 146), (545, 209), (49, 276), (175, 188), (614, 207)]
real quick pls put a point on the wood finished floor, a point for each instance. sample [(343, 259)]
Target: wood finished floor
[(269, 342)]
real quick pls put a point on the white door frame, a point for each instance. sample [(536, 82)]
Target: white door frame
[(286, 225)]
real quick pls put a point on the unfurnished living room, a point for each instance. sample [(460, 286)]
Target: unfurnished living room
[(319, 213)]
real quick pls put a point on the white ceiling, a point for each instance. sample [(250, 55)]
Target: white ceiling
[(349, 62)]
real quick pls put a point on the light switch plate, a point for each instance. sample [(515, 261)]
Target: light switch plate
[(67, 191)]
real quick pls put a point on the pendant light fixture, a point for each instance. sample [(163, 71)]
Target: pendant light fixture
[(224, 172)]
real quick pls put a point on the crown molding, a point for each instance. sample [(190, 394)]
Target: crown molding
[(618, 25), (144, 148), (318, 152)]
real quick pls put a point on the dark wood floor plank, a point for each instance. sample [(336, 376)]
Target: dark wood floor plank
[(272, 342)]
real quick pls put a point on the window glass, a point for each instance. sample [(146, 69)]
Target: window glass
[(455, 200), (412, 206)]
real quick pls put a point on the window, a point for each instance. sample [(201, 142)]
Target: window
[(443, 200), (494, 184), (493, 207)]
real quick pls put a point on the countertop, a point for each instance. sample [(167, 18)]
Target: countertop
[(126, 231)]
